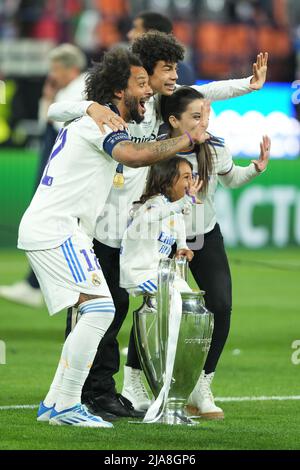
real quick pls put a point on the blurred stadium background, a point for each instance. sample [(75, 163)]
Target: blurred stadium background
[(260, 222)]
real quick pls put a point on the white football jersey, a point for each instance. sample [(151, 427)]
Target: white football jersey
[(113, 221), (74, 187), (154, 228)]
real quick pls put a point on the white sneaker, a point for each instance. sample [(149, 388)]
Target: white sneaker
[(134, 389), (78, 416), (201, 401), (22, 293)]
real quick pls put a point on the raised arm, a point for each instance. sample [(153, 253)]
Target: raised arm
[(68, 110), (102, 115), (182, 248), (225, 89), (145, 154), (240, 175)]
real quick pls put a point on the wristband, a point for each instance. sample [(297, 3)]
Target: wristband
[(189, 199), (190, 138)]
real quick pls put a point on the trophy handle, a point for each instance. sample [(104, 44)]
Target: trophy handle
[(166, 274)]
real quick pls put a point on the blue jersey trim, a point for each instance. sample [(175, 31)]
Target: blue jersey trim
[(77, 260), (85, 307), (72, 261), (97, 307), (152, 284), (216, 141), (68, 261), (148, 286), (107, 307), (226, 173)]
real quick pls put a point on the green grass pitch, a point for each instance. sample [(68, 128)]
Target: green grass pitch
[(257, 361)]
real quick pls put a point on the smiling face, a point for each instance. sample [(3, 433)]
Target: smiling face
[(182, 182), (188, 120), (164, 77), (133, 98)]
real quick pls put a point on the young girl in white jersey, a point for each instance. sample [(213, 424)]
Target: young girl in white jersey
[(209, 266), (157, 224)]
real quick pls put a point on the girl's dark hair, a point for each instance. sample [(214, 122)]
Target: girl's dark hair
[(175, 105), (154, 46), (110, 75), (161, 178)]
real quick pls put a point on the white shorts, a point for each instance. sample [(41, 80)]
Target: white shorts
[(68, 270)]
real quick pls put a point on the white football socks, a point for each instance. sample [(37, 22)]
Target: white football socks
[(51, 396), (78, 353)]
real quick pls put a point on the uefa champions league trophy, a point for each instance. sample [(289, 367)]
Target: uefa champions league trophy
[(151, 325)]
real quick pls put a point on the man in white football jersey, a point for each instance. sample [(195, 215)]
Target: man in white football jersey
[(58, 227), (160, 54), (65, 81)]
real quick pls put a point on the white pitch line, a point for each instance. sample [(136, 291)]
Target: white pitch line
[(234, 399), (220, 399), (19, 407)]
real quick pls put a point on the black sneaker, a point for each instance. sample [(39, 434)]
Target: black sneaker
[(115, 404), (89, 403)]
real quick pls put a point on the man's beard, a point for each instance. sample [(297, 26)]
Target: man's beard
[(132, 105)]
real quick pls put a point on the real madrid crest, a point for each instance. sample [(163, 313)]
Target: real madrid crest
[(171, 222), (96, 279)]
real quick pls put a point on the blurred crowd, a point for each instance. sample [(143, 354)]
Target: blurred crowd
[(222, 37)]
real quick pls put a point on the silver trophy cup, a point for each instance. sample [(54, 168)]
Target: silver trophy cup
[(151, 324)]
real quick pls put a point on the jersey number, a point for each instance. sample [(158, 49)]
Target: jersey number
[(58, 146), (89, 263)]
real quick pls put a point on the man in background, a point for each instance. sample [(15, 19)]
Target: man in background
[(150, 21)]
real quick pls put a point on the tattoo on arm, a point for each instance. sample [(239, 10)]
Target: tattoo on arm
[(155, 151)]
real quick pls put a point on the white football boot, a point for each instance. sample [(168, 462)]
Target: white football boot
[(22, 293), (201, 401), (134, 389)]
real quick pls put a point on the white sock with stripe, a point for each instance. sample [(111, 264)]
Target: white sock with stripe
[(96, 316), (52, 395)]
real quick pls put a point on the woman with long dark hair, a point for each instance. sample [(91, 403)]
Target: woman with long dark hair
[(213, 162)]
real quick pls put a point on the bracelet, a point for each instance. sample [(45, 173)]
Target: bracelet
[(190, 198), (190, 138)]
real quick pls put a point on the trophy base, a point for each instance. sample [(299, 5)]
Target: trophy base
[(171, 416), (176, 417)]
